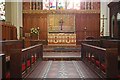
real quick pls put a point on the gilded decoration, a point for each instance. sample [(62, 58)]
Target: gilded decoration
[(61, 23), (61, 11)]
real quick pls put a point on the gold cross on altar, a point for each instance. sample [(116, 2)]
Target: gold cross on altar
[(103, 18), (61, 23)]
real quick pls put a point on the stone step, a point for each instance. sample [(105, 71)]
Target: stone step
[(51, 48), (61, 56)]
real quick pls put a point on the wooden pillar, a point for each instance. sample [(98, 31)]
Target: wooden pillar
[(110, 21)]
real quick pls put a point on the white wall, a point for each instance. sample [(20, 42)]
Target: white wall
[(14, 14), (104, 11), (118, 16)]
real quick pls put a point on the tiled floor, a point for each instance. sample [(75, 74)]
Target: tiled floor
[(62, 69)]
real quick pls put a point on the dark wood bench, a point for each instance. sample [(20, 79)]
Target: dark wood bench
[(6, 49), (18, 59), (101, 60), (23, 60), (8, 45), (102, 43)]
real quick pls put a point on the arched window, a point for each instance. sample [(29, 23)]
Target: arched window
[(2, 10)]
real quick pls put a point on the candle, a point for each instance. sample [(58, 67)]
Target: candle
[(38, 27)]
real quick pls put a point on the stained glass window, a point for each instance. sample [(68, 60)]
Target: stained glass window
[(45, 4), (60, 4), (52, 4), (77, 4), (70, 4), (2, 9)]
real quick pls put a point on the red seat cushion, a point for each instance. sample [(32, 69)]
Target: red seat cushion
[(33, 59), (92, 59), (28, 63), (7, 75), (103, 67), (97, 63), (88, 58), (23, 67)]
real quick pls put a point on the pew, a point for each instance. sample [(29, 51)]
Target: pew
[(28, 42), (34, 42), (23, 60), (101, 60), (102, 43), (6, 49), (92, 42), (8, 45)]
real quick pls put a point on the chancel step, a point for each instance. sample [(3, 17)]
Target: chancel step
[(63, 48), (61, 56)]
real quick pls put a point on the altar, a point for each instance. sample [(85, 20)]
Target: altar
[(61, 38), (61, 29)]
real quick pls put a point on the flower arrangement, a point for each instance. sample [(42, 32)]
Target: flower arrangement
[(34, 31)]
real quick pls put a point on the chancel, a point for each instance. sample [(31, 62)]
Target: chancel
[(60, 39)]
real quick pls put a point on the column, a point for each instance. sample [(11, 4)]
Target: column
[(104, 11), (14, 14)]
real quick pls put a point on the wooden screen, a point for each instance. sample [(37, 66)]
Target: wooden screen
[(87, 25)]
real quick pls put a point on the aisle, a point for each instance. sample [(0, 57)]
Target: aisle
[(64, 53), (62, 69)]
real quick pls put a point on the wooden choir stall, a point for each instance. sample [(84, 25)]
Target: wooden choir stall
[(8, 31)]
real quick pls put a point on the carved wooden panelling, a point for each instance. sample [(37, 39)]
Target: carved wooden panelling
[(87, 25), (35, 20)]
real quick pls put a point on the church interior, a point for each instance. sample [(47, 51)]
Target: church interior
[(60, 39)]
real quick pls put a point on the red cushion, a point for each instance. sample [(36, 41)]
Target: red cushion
[(88, 58), (93, 59), (28, 63), (23, 67), (7, 75), (103, 67), (33, 59), (97, 63)]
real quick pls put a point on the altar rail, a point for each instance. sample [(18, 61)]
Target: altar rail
[(101, 60)]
